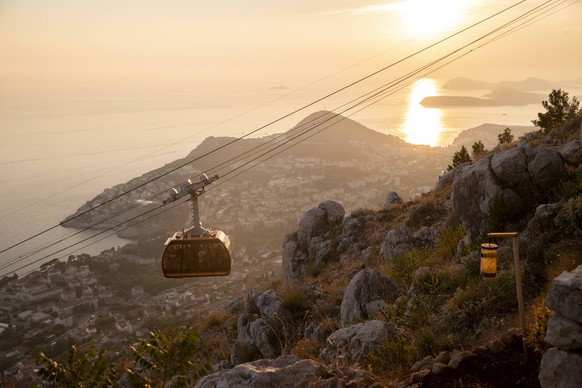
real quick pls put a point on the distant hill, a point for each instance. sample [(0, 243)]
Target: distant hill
[(323, 134), (487, 133), (503, 96), (462, 83), (528, 84)]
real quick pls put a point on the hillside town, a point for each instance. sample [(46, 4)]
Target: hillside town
[(73, 302)]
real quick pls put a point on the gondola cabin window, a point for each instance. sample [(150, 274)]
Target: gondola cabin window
[(197, 256)]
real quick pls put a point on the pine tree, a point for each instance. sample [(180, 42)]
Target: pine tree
[(479, 150), (559, 110), (460, 157), (505, 137)]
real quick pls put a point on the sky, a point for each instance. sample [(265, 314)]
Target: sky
[(100, 46)]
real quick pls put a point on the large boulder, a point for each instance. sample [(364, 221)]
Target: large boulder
[(392, 199), (401, 240), (260, 328), (287, 371), (366, 287), (312, 243), (564, 333), (503, 184), (448, 177), (560, 369), (511, 167), (572, 152), (352, 344), (396, 242), (319, 220), (565, 297), (562, 365), (547, 168)]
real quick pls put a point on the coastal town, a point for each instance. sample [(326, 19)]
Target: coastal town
[(119, 296), (81, 301)]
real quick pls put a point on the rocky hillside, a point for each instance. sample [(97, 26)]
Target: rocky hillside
[(394, 297)]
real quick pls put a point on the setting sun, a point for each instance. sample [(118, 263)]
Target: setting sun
[(422, 125), (420, 17)]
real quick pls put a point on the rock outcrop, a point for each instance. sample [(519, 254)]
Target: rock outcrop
[(365, 295), (352, 344), (504, 184), (288, 371), (401, 240), (260, 328), (393, 199), (562, 364), (312, 244)]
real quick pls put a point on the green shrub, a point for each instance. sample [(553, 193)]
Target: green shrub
[(403, 266), (294, 298), (426, 213), (394, 357), (572, 187), (429, 340), (449, 238), (536, 329), (306, 348), (213, 319), (569, 218)]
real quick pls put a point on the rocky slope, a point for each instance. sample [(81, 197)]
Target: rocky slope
[(365, 296)]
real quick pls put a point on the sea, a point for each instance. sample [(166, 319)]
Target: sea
[(59, 149)]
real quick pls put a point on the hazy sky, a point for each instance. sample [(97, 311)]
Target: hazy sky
[(108, 43)]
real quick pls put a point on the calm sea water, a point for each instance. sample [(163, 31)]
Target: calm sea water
[(59, 151)]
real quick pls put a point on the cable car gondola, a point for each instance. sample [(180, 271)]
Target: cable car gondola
[(196, 251)]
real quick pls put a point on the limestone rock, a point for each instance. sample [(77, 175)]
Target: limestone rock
[(565, 297), (543, 220), (397, 241), (441, 369), (272, 309), (571, 152), (366, 286), (447, 178), (311, 243), (443, 357), (426, 236), (424, 364), (314, 223), (504, 180), (287, 371), (547, 167), (244, 348), (560, 369), (260, 328), (459, 356), (420, 376), (334, 212), (393, 199), (564, 333), (265, 339), (353, 343), (511, 167), (474, 190)]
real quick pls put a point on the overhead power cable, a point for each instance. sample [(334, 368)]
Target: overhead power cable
[(288, 141), (272, 122)]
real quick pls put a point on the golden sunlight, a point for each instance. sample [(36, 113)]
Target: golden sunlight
[(423, 17), (422, 125)]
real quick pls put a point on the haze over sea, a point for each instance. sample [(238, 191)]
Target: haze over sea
[(60, 150)]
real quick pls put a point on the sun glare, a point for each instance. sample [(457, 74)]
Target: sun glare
[(422, 125), (423, 17)]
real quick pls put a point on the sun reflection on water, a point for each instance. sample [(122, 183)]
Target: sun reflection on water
[(422, 125)]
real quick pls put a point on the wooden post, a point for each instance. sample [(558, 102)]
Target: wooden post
[(517, 267)]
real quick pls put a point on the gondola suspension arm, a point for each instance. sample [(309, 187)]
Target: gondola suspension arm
[(194, 189)]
